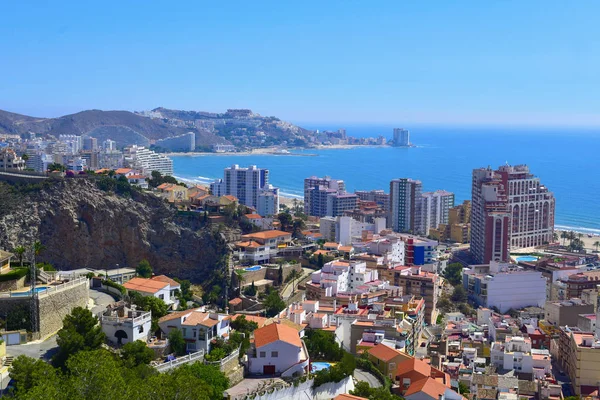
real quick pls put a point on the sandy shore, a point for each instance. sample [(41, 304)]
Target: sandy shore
[(271, 150), (588, 242)]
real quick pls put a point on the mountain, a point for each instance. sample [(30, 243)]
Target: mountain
[(240, 127), (83, 226)]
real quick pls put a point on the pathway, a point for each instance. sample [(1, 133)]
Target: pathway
[(364, 376)]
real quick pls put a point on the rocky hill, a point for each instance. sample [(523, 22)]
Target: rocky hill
[(240, 127), (83, 226)]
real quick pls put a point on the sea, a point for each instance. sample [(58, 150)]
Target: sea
[(565, 159)]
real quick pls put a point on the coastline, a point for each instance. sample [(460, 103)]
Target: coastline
[(272, 151)]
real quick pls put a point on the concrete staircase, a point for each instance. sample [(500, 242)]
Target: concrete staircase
[(8, 360)]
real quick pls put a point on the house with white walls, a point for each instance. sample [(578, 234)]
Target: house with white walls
[(199, 328), (277, 350)]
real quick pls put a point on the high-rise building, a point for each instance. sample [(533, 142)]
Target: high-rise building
[(436, 206), (146, 160), (338, 203), (315, 202), (405, 205), (490, 217), (90, 143), (73, 142), (531, 207), (244, 183), (183, 142), (401, 137), (268, 201), (378, 196), (511, 209), (109, 145)]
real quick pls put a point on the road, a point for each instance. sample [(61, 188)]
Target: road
[(45, 349), (364, 376), (287, 291)]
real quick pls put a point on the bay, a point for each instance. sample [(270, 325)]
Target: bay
[(566, 160)]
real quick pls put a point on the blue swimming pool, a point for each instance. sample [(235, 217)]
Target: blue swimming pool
[(28, 293), (253, 268), (526, 259), (319, 366)]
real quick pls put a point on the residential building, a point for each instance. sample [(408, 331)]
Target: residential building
[(260, 247), (90, 143), (172, 192), (123, 325), (510, 209), (74, 143), (406, 205), (268, 201), (378, 196), (119, 275), (10, 160), (418, 380), (490, 217), (345, 230), (386, 359), (199, 328), (516, 354), (339, 203), (566, 312), (91, 158), (183, 142), (76, 164), (109, 145), (5, 258), (401, 137), (436, 206), (314, 204), (531, 207), (579, 355), (146, 160), (504, 286), (277, 350), (244, 183), (159, 288)]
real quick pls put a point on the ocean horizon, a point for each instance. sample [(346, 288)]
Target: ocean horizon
[(564, 159)]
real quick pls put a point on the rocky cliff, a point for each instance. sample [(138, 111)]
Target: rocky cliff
[(83, 226)]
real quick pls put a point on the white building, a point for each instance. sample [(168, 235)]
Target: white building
[(277, 350), (197, 327), (76, 164), (504, 286), (391, 247), (346, 277), (268, 201), (401, 137), (10, 160), (109, 145), (516, 354), (436, 207), (74, 143), (146, 160), (122, 325), (345, 230), (244, 183), (160, 287)]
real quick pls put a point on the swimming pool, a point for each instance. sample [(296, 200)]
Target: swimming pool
[(28, 293), (319, 366), (527, 259), (253, 268)]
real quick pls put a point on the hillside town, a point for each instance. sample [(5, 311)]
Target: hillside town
[(381, 294)]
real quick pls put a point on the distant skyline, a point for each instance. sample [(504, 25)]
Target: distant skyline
[(330, 63)]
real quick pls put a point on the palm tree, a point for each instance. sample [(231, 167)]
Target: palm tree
[(240, 278), (294, 275), (19, 251), (564, 235), (554, 236), (596, 244), (571, 237), (38, 247)]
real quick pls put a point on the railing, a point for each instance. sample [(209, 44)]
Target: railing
[(59, 288), (180, 361), (137, 320), (223, 361)]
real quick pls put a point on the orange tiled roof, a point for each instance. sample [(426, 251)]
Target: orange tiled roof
[(414, 369), (144, 285), (230, 197), (200, 318), (235, 301), (122, 171), (345, 249), (324, 252), (266, 234), (260, 321), (253, 216), (331, 244), (428, 386), (250, 243), (385, 353), (348, 397), (164, 278), (274, 332), (137, 176), (174, 315)]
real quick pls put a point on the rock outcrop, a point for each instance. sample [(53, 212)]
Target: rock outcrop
[(83, 226)]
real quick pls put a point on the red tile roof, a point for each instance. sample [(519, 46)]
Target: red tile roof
[(144, 285), (385, 353), (163, 278), (274, 332)]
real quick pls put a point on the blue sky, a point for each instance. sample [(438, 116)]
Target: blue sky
[(467, 62)]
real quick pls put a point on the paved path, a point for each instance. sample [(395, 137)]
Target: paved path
[(287, 291), (46, 349), (364, 376)]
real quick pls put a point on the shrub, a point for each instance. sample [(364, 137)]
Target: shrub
[(108, 282), (14, 274)]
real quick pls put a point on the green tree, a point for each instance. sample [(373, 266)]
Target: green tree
[(38, 247), (156, 306), (321, 345), (136, 353), (93, 376), (596, 244), (241, 324), (80, 332), (19, 251), (459, 295), (285, 219), (27, 372), (444, 304), (293, 276), (280, 276), (463, 388), (320, 260), (453, 273), (273, 304), (297, 226), (212, 374), (177, 342), (56, 167), (144, 269)]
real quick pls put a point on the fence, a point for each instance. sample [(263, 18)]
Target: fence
[(222, 362), (59, 288), (197, 356)]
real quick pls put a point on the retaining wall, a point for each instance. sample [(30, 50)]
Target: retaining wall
[(15, 284), (54, 306)]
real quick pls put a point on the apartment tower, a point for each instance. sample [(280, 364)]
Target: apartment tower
[(406, 205)]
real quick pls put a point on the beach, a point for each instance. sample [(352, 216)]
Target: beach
[(588, 242)]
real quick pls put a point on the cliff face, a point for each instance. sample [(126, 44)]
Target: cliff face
[(82, 226)]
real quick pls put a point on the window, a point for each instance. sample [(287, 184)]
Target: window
[(274, 354), (161, 296), (141, 329), (183, 332), (263, 354), (194, 332)]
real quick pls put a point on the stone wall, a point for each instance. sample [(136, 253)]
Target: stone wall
[(15, 284), (54, 306)]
